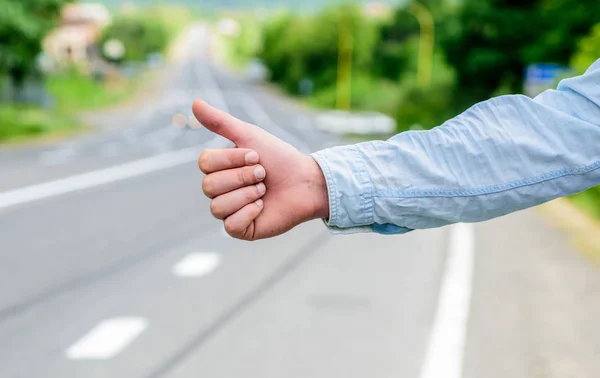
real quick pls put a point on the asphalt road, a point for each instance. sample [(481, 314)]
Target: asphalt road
[(111, 266)]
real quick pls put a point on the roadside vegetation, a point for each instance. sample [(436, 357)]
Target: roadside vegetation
[(482, 49), (68, 89)]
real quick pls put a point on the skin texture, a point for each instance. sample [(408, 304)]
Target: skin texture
[(262, 188)]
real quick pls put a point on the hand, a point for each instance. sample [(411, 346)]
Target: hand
[(262, 188)]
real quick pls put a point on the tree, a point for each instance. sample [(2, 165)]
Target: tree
[(588, 50), (491, 41), (23, 24), (485, 44), (395, 54), (296, 47), (141, 35)]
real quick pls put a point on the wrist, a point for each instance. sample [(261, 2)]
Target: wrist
[(318, 189)]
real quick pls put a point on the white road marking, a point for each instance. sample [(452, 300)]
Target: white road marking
[(197, 265), (107, 339), (104, 176), (445, 352)]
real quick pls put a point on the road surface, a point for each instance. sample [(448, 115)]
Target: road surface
[(111, 266)]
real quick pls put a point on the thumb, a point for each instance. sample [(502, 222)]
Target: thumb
[(220, 122)]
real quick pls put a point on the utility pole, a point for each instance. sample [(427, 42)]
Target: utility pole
[(344, 74), (426, 42)]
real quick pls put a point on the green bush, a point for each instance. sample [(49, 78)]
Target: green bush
[(19, 122), (296, 47), (428, 106), (589, 201), (73, 92), (239, 49), (140, 34), (368, 93), (424, 107), (588, 50)]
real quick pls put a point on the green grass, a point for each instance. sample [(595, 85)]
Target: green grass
[(21, 122), (589, 201), (74, 93)]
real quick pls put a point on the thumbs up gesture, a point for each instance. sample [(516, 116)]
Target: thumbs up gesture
[(262, 188)]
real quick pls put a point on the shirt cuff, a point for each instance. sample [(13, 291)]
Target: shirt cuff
[(350, 192), (349, 189)]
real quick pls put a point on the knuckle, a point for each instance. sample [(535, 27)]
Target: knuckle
[(208, 187), (204, 162), (242, 177), (215, 209), (234, 159), (252, 194), (233, 230)]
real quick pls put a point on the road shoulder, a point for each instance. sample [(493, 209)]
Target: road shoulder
[(582, 230)]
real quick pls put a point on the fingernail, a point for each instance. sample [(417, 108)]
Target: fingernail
[(251, 158), (261, 188), (259, 203), (259, 172)]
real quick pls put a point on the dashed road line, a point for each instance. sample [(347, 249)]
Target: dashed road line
[(197, 264), (107, 339)]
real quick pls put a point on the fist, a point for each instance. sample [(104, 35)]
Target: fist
[(263, 187)]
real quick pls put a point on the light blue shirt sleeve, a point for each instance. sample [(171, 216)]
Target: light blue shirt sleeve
[(500, 156)]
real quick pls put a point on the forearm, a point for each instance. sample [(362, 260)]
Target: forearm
[(500, 156)]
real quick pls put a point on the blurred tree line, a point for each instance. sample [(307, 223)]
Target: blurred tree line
[(147, 32), (23, 24), (67, 87), (481, 49)]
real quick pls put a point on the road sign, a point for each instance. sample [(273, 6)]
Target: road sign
[(542, 76)]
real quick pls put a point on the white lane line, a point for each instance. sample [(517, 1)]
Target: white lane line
[(197, 265), (445, 352), (107, 339), (104, 176)]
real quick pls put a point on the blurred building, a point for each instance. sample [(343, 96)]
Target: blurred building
[(75, 39)]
